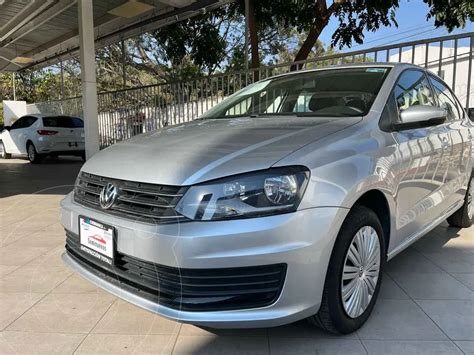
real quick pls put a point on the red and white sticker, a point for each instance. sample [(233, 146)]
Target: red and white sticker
[(98, 238)]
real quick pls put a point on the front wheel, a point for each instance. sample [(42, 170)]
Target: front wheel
[(464, 217), (354, 273), (33, 155), (3, 152)]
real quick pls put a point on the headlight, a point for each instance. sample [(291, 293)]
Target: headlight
[(261, 193)]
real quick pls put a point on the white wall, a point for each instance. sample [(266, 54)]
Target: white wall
[(13, 110), (32, 109)]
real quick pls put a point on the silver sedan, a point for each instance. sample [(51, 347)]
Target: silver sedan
[(283, 202)]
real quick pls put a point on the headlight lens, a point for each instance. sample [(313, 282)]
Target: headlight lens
[(272, 191)]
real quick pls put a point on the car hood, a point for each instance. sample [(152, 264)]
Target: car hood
[(207, 149)]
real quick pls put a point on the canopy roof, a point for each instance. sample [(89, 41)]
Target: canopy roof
[(36, 33)]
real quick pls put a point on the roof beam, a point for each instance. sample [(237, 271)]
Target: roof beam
[(46, 16), (108, 29), (36, 9)]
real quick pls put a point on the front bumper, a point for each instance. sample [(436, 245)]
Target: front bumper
[(302, 240)]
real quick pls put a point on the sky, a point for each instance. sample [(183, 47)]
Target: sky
[(412, 25)]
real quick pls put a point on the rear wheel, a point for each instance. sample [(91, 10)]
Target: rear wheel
[(463, 218), (354, 273), (33, 155), (3, 152)]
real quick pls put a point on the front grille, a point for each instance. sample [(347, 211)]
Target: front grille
[(136, 200), (187, 289)]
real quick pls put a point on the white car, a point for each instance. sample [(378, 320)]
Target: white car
[(38, 136)]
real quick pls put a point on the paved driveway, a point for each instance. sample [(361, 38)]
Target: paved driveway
[(426, 303)]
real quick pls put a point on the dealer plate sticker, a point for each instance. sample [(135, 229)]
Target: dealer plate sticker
[(97, 239)]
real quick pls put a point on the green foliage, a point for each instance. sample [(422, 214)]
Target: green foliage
[(451, 13), (236, 60), (6, 87), (356, 16), (198, 38)]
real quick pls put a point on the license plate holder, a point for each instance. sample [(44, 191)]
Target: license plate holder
[(97, 239)]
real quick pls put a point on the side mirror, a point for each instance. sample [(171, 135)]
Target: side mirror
[(421, 116)]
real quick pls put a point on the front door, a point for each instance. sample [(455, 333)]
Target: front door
[(423, 159)]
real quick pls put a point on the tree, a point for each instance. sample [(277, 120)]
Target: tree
[(201, 38), (451, 13), (354, 17)]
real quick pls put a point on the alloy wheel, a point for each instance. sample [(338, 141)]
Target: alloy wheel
[(31, 152), (361, 271)]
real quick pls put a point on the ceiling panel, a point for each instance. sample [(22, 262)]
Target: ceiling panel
[(53, 32)]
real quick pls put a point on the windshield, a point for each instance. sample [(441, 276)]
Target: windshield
[(333, 93)]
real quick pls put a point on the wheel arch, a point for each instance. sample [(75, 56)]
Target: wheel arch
[(377, 201)]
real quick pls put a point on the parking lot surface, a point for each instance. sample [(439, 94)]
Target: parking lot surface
[(426, 305)]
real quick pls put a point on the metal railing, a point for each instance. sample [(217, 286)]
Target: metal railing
[(125, 113)]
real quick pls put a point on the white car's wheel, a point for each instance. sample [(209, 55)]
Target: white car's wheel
[(3, 152), (33, 155)]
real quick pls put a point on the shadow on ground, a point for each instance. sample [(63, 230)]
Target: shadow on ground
[(52, 176)]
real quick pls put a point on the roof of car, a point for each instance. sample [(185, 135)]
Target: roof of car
[(351, 65), (37, 115)]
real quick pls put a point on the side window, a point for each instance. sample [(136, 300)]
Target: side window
[(29, 120), (413, 89), (447, 100), (19, 123)]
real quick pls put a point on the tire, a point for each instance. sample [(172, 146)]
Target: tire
[(463, 218), (4, 153), (83, 156), (33, 155), (333, 315)]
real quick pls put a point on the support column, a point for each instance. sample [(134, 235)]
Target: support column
[(88, 76), (62, 87), (246, 43)]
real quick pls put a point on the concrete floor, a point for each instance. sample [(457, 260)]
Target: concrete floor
[(426, 303)]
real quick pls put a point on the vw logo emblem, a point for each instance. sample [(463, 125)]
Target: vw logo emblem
[(108, 195)]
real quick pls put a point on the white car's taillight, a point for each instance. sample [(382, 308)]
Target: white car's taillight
[(45, 132)]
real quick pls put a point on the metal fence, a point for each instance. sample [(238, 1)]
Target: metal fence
[(125, 113)]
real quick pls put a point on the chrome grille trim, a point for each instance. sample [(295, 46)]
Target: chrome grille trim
[(135, 200), (89, 190), (141, 201), (151, 193)]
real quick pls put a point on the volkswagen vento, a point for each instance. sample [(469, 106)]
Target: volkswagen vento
[(282, 202)]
